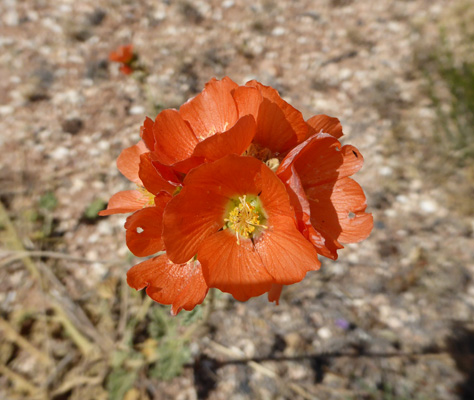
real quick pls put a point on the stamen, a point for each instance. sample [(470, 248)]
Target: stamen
[(147, 195), (245, 219)]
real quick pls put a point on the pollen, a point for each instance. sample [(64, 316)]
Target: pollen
[(147, 196), (246, 218)]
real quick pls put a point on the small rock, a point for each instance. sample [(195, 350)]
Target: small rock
[(278, 31), (324, 333), (137, 110), (96, 17), (72, 125)]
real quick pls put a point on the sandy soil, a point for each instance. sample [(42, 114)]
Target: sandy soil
[(391, 319)]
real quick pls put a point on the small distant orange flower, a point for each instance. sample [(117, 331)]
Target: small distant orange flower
[(240, 192), (125, 56)]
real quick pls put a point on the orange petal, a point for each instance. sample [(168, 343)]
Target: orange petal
[(339, 210), (168, 173), (324, 124), (181, 285), (229, 176), (291, 115), (144, 230), (233, 268), (286, 254), (181, 168), (273, 129), (248, 100), (129, 160), (325, 245), (146, 133), (174, 138), (152, 180), (125, 202), (213, 110), (126, 69), (234, 141), (123, 54), (321, 159), (189, 218), (275, 293)]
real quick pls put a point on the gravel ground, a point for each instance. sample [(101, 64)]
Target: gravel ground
[(391, 319)]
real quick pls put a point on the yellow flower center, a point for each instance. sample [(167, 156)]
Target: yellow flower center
[(147, 196), (246, 218)]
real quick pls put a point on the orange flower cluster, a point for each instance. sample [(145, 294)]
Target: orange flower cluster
[(240, 192), (125, 56)]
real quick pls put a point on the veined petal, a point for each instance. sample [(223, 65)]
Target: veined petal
[(293, 118), (144, 229), (125, 202), (233, 268), (321, 159), (325, 245), (229, 176), (129, 160), (234, 141), (338, 209), (213, 110), (189, 218), (174, 138), (181, 285), (248, 100), (286, 254), (324, 124)]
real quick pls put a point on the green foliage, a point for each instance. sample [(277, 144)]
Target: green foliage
[(48, 201), (451, 87), (172, 351), (119, 381), (93, 209)]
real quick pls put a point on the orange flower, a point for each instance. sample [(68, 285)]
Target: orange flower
[(125, 56), (235, 216), (241, 192)]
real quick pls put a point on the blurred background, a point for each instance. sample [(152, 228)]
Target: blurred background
[(392, 319)]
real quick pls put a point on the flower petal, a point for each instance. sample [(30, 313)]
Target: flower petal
[(321, 159), (125, 202), (146, 133), (123, 54), (324, 124), (326, 246), (286, 254), (294, 121), (275, 293), (233, 268), (234, 141), (151, 178), (338, 209), (174, 138), (181, 285), (248, 100), (229, 176), (144, 229), (189, 218), (213, 110), (129, 159)]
